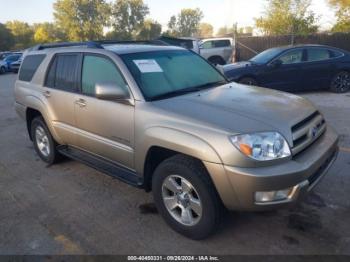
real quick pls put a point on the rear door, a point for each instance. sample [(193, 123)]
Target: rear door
[(318, 68), (106, 128), (60, 91), (286, 76)]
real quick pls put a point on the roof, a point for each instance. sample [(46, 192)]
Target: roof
[(285, 47)]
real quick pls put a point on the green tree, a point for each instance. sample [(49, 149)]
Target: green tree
[(128, 17), (150, 30), (342, 13), (205, 30), (287, 17), (47, 33), (22, 32), (6, 38), (82, 20), (186, 23)]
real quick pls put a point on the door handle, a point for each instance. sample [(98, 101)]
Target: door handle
[(81, 102), (47, 94)]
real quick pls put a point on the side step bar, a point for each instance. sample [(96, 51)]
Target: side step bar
[(102, 165)]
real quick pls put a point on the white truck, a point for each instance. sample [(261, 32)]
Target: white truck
[(218, 51)]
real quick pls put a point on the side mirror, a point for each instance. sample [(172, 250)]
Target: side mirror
[(110, 91), (276, 63)]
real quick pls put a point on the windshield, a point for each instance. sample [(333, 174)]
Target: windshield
[(265, 56), (164, 74)]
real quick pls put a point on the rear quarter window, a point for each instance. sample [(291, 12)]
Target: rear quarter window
[(335, 53), (222, 43), (29, 66)]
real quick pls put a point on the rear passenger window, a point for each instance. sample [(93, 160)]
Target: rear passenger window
[(97, 69), (222, 43), (64, 72), (317, 54), (29, 67)]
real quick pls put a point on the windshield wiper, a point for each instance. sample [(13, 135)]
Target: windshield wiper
[(188, 90)]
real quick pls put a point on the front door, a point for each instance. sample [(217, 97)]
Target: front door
[(105, 128)]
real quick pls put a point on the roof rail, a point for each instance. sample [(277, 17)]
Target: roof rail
[(132, 42), (95, 44), (89, 44)]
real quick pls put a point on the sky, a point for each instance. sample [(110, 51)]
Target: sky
[(216, 12)]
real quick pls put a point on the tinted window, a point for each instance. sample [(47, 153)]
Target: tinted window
[(292, 57), (168, 72), (335, 53), (317, 54), (97, 69), (63, 73), (29, 66), (222, 43), (12, 58), (207, 45)]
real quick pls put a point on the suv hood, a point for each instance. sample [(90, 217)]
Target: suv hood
[(236, 108)]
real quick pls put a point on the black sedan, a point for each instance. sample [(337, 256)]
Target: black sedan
[(295, 68)]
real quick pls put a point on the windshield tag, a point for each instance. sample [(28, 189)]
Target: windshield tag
[(148, 66)]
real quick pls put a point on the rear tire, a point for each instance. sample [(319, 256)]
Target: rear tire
[(186, 197), (2, 70), (44, 144), (340, 82), (217, 60), (248, 81)]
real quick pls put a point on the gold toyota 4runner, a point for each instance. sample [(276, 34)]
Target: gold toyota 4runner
[(163, 119)]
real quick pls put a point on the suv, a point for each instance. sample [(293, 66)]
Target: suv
[(163, 119), (218, 51)]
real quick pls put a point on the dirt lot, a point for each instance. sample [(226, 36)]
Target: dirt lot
[(72, 209)]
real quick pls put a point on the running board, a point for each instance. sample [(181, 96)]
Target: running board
[(102, 165)]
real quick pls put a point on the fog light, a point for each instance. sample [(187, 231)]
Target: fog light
[(270, 196)]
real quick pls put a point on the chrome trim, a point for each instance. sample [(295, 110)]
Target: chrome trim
[(308, 130)]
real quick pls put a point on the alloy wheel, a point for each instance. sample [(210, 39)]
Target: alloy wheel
[(42, 141), (341, 83), (182, 200)]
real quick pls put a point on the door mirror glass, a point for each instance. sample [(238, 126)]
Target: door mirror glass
[(110, 91)]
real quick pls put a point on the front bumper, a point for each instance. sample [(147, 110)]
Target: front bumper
[(237, 186)]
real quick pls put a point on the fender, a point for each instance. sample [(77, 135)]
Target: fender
[(35, 103), (175, 140)]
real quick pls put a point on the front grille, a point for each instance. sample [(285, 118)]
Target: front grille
[(307, 131)]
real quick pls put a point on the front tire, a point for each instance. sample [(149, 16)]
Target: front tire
[(340, 82), (2, 70), (44, 144), (186, 197)]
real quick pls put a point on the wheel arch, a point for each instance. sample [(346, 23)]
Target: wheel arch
[(163, 143), (248, 76), (210, 59), (34, 108)]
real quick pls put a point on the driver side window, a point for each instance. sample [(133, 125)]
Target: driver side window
[(292, 57), (97, 69)]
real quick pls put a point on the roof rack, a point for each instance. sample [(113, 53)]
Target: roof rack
[(95, 44)]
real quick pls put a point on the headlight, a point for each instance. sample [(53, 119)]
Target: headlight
[(262, 146)]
